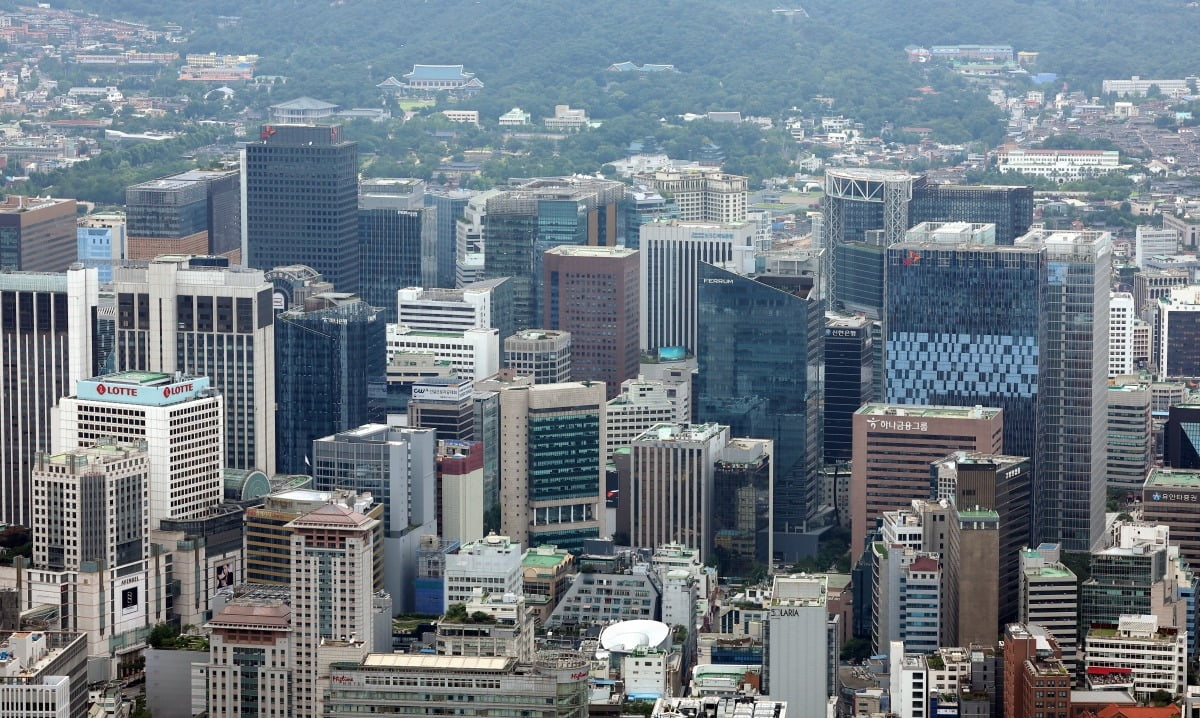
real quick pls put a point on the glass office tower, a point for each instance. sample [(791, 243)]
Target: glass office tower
[(760, 351), (329, 375), (962, 329)]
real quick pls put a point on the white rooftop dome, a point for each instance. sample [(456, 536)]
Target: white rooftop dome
[(627, 636)]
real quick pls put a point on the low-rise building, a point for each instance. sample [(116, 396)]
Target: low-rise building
[(1156, 656)]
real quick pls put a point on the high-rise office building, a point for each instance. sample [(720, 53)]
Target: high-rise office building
[(671, 254), (492, 564), (397, 466), (551, 458), (202, 317), (486, 304), (301, 202), (250, 667), (644, 403), (1169, 498), (195, 212), (1128, 336), (459, 412), (545, 356), (1181, 437), (981, 345), (1152, 242), (1150, 285), (460, 489), (91, 506), (760, 353), (47, 332), (331, 547), (523, 223), (37, 234), (703, 195), (101, 242), (671, 485), (1129, 434), (1030, 347), (1009, 208), (1177, 333), (329, 374), (743, 498), (268, 541), (1071, 458), (593, 293), (1049, 597), (849, 372), (450, 206), (397, 244), (1003, 484), (795, 644), (182, 421), (646, 204), (894, 447)]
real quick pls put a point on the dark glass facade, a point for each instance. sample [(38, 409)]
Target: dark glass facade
[(449, 208), (760, 350), (1181, 437), (860, 283), (1009, 208), (741, 515), (849, 364), (166, 209), (963, 330), (1182, 358), (329, 377), (302, 202), (391, 254)]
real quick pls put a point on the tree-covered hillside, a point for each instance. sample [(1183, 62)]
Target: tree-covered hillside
[(732, 54)]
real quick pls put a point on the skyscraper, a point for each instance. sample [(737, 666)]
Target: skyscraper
[(963, 328), (671, 485), (180, 419), (593, 293), (795, 644), (894, 447), (332, 593), (301, 201), (704, 195), (760, 353), (47, 324), (37, 234), (848, 381), (1023, 328), (201, 317), (551, 458), (397, 242), (330, 360), (397, 467), (671, 253), (193, 212), (522, 223), (449, 206), (1072, 389)]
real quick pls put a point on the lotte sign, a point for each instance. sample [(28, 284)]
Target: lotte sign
[(140, 394)]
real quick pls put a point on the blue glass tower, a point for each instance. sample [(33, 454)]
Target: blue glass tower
[(760, 350), (963, 329), (391, 254), (329, 375)]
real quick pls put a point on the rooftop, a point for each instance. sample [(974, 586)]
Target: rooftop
[(140, 378), (426, 662), (573, 250), (1173, 479), (929, 412), (544, 557)]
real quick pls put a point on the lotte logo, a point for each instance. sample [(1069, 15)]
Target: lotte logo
[(101, 390), (170, 391)]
